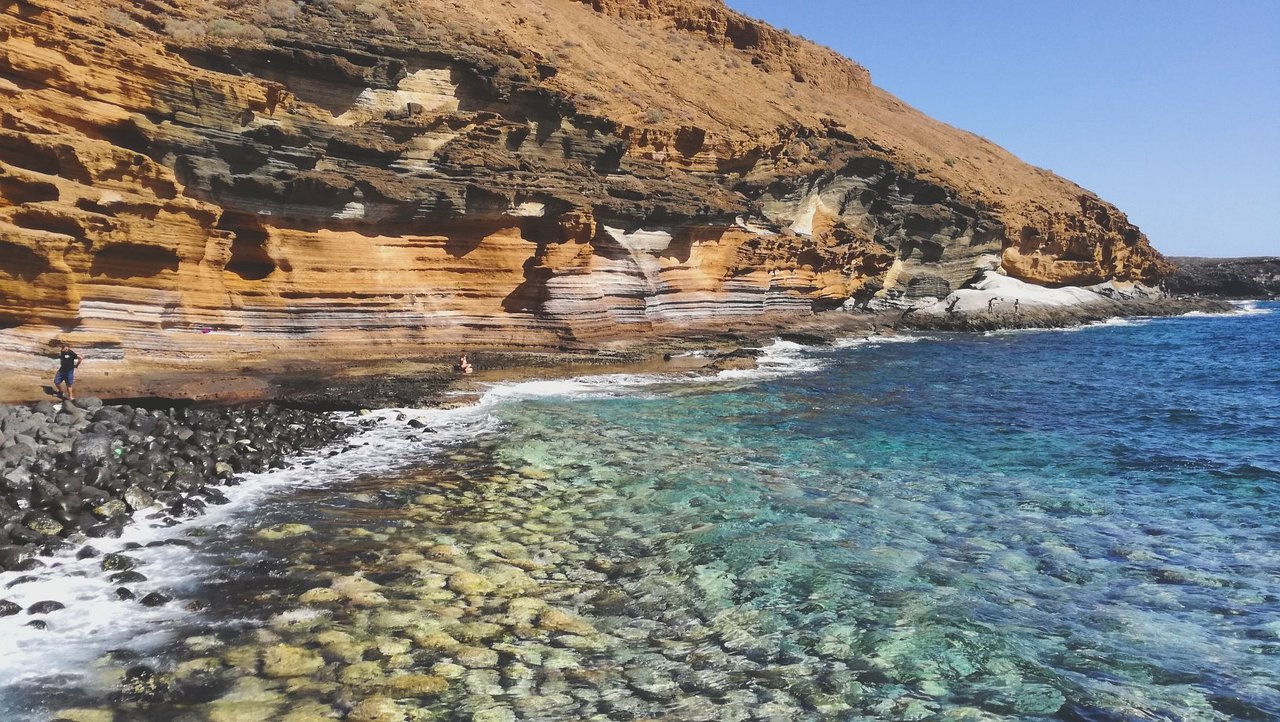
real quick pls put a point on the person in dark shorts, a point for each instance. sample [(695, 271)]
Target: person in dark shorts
[(68, 361)]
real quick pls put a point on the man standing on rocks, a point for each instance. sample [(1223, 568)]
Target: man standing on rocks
[(69, 361)]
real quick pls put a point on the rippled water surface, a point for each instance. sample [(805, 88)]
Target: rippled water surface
[(1060, 525)]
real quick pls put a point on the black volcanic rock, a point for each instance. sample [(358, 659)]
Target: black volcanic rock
[(1256, 277)]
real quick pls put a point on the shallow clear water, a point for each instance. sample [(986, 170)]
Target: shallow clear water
[(1061, 525)]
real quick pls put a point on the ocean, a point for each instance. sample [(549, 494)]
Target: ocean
[(1073, 525)]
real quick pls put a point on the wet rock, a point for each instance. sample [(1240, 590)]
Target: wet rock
[(8, 608), (448, 670), (118, 563), (434, 640), (483, 682), (125, 594), (475, 631), (45, 607), (283, 531), (319, 595), (129, 577), (155, 599), (85, 715), (494, 714), (475, 657), (310, 712), (249, 700), (43, 524), (283, 660), (470, 583), (376, 709), (340, 646), (111, 509), (91, 449), (415, 685), (198, 667), (361, 674), (558, 620), (144, 684), (651, 684), (137, 499), (202, 643)]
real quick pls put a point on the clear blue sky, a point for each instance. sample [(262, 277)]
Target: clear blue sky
[(1168, 108)]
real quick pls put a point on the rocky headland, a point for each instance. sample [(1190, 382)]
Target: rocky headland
[(202, 196), (1238, 278)]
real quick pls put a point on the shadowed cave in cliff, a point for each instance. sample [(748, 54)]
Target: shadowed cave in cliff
[(133, 260), (21, 262), (37, 219), (21, 152), (19, 190), (249, 258)]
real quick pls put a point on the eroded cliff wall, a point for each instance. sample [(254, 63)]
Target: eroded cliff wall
[(345, 177)]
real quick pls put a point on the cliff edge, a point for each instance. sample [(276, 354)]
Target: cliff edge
[(266, 179)]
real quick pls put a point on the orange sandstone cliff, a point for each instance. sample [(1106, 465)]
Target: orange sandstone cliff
[(339, 179)]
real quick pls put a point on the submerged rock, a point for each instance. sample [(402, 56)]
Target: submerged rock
[(283, 660), (376, 709)]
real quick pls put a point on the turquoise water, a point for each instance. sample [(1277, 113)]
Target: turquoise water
[(1071, 525)]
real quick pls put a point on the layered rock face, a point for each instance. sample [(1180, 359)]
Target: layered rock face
[(341, 179)]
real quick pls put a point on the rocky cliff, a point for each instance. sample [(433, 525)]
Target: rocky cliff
[(1257, 277), (335, 178)]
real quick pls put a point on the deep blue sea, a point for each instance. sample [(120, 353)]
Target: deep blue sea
[(1071, 525)]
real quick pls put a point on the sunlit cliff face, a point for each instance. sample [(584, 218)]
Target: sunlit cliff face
[(488, 173)]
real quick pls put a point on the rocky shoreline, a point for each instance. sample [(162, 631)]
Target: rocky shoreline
[(1033, 317), (81, 470)]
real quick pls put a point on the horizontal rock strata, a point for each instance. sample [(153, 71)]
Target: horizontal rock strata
[(266, 181)]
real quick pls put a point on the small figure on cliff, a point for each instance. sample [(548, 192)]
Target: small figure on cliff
[(1016, 302), (464, 366), (68, 362), (991, 304)]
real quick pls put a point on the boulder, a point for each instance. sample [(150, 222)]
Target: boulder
[(155, 599), (118, 563), (45, 607), (137, 498), (92, 448)]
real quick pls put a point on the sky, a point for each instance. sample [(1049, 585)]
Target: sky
[(1170, 109)]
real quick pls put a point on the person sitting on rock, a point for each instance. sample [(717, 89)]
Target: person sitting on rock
[(464, 366), (68, 361)]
